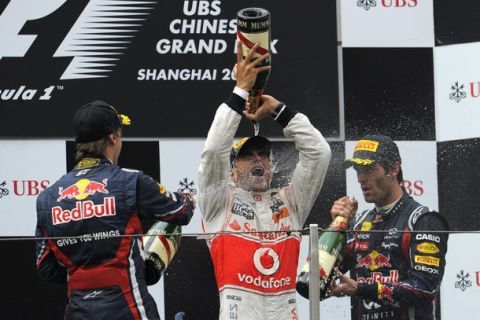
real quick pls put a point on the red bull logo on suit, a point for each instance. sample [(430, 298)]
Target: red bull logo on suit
[(80, 190), (84, 210), (373, 261)]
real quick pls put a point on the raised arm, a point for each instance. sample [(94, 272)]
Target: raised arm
[(314, 152), (214, 163)]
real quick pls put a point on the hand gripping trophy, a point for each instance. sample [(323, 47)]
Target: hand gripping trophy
[(253, 26)]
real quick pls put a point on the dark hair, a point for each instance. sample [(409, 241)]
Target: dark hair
[(90, 149), (389, 165)]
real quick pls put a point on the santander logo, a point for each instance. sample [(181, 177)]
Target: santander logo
[(266, 261)]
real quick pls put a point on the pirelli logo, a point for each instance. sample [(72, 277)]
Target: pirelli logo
[(366, 145), (430, 261)]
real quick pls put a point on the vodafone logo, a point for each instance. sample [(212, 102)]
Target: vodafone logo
[(266, 261)]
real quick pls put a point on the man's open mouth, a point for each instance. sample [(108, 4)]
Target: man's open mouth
[(258, 172)]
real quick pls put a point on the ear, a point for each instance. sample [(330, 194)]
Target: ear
[(112, 138), (233, 174), (394, 169)]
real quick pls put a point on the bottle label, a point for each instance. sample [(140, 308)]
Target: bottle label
[(248, 40), (156, 260), (327, 262), (340, 223), (164, 248), (160, 246), (256, 25)]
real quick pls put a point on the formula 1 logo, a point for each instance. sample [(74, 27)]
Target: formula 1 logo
[(101, 33), (266, 261)]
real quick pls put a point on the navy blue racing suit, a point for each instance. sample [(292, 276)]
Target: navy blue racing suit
[(96, 204), (398, 273)]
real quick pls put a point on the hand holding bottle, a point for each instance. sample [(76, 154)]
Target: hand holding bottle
[(344, 207), (266, 108), (345, 286), (331, 244), (247, 69)]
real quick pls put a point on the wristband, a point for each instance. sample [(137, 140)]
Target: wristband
[(278, 110)]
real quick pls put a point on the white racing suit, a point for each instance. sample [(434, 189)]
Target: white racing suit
[(256, 272)]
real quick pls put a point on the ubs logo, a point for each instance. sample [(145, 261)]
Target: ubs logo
[(187, 186), (368, 4), (414, 187), (23, 187), (457, 92), (463, 282), (460, 91), (101, 32), (3, 189)]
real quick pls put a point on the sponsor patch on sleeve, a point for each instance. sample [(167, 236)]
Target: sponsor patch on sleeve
[(431, 261), (427, 247)]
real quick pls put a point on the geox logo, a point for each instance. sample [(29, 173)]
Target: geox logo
[(101, 33)]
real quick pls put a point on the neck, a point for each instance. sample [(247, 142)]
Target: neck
[(108, 153), (392, 199)]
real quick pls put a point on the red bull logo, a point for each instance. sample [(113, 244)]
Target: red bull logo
[(373, 261), (84, 210), (82, 189), (378, 277), (386, 292)]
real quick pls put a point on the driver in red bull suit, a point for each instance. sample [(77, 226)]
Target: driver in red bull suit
[(256, 271), (95, 204), (395, 274)]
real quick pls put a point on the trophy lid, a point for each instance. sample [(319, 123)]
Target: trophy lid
[(256, 14)]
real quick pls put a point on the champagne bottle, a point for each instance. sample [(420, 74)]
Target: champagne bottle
[(160, 247), (331, 244), (253, 26)]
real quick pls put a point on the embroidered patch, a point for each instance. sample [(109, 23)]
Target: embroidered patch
[(243, 209)]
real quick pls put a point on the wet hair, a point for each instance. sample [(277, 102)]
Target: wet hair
[(389, 165), (91, 149)]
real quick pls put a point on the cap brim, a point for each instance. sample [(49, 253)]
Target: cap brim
[(358, 161), (255, 141)]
